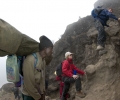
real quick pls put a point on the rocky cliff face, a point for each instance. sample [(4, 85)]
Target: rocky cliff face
[(102, 67)]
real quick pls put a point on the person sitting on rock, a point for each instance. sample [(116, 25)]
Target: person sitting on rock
[(68, 77), (101, 17)]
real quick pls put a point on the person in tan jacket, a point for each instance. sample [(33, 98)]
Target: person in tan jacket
[(34, 77)]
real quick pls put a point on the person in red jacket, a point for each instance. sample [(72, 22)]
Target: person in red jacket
[(69, 77)]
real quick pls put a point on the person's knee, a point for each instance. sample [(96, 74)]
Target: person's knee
[(79, 79), (66, 80)]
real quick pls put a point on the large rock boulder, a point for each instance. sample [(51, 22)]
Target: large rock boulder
[(7, 87), (90, 69)]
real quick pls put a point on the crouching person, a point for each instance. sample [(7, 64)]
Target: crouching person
[(68, 76), (34, 75)]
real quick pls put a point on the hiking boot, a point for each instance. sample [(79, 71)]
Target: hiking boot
[(80, 94), (99, 47), (63, 98)]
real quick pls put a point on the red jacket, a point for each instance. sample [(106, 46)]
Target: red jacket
[(68, 67)]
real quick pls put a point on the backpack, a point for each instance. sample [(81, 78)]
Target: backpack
[(96, 12), (14, 65), (21, 60), (59, 70)]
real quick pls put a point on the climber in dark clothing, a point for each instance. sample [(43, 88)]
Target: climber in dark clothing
[(101, 17)]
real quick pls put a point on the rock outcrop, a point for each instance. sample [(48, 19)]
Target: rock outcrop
[(6, 92), (102, 67), (7, 87)]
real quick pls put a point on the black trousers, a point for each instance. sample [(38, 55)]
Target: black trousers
[(67, 81), (17, 96), (101, 33)]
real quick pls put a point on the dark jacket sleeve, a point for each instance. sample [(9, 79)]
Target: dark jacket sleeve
[(65, 69), (94, 15), (78, 70), (111, 15)]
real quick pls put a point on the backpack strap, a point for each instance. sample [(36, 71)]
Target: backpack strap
[(36, 59)]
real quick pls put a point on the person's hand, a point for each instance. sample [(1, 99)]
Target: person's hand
[(84, 72), (75, 76), (118, 19)]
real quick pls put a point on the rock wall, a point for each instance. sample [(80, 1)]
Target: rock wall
[(102, 67)]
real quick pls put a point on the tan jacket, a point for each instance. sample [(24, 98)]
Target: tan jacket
[(32, 77)]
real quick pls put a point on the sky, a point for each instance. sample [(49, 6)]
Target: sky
[(41, 17)]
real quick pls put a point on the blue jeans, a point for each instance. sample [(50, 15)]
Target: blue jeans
[(101, 33)]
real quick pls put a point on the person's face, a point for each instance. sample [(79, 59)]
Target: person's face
[(70, 56), (49, 51), (110, 10), (48, 59)]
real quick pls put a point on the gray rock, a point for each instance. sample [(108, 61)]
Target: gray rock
[(103, 67), (90, 69), (52, 88), (92, 32), (113, 30), (101, 52)]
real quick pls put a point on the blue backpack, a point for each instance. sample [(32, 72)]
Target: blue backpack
[(96, 12), (20, 64)]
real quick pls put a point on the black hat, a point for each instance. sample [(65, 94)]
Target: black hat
[(45, 42)]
